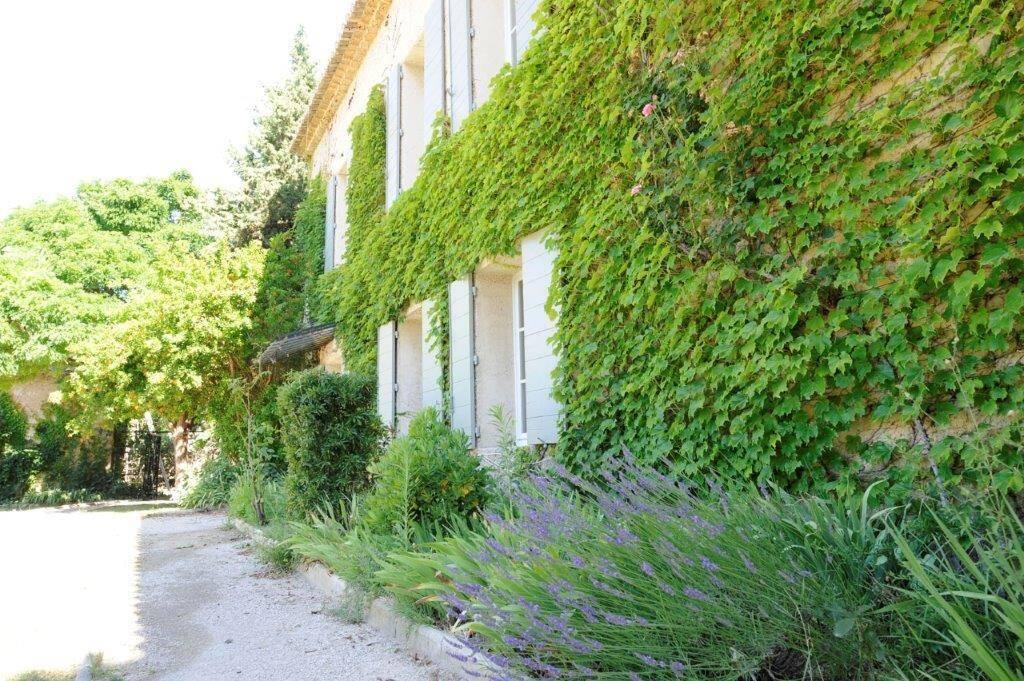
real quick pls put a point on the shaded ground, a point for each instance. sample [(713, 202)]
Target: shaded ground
[(168, 595)]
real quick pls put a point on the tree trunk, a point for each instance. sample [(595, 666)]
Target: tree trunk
[(179, 436), (118, 445)]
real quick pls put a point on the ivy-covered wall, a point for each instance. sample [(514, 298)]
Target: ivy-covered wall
[(778, 223)]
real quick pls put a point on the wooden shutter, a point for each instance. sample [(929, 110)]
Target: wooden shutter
[(462, 362), (432, 394), (521, 27), (540, 360), (387, 356), (330, 223), (393, 109), (433, 67), (461, 60)]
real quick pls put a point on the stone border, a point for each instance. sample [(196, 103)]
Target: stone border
[(423, 641)]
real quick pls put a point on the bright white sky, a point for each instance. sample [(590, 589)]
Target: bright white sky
[(96, 89)]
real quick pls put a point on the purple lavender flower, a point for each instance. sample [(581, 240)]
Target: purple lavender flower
[(647, 569), (747, 563), (648, 660), (617, 620), (708, 564), (666, 588), (696, 594)]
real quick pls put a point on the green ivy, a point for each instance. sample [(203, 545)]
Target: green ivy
[(816, 230), (309, 244), (364, 196)]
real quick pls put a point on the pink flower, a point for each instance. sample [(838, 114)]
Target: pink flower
[(637, 188), (648, 109)]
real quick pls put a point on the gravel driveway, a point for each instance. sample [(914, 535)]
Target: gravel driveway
[(166, 594)]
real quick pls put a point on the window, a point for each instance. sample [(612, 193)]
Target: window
[(411, 134), (489, 21), (520, 24), (340, 218), (519, 347), (502, 354), (408, 369)]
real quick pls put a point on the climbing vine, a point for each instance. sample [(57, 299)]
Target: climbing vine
[(357, 324), (789, 234)]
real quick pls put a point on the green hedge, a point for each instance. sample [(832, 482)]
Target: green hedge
[(330, 431), (426, 478), (817, 228)]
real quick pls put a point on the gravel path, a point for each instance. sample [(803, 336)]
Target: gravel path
[(178, 596)]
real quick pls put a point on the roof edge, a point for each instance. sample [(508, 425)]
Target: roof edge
[(362, 25)]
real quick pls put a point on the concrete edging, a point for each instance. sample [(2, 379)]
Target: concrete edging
[(423, 641)]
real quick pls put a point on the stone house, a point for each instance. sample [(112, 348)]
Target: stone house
[(438, 57)]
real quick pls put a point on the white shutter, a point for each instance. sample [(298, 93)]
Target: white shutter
[(393, 109), (541, 408), (386, 357), (330, 224), (521, 27), (461, 60), (432, 395), (433, 66), (462, 360)]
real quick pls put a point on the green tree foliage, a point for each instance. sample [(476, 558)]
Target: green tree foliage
[(69, 266), (125, 206), (273, 180), (776, 225), (171, 347), (330, 431)]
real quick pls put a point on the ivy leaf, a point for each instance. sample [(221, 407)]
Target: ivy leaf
[(1009, 104), (1012, 202)]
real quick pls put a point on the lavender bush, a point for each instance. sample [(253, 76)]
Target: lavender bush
[(643, 577)]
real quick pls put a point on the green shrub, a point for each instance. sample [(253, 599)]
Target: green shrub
[(16, 463), (74, 463), (16, 469), (426, 478), (240, 501), (330, 431), (213, 485), (13, 424)]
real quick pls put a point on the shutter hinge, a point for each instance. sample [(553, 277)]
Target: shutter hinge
[(472, 31), (396, 388), (401, 132), (472, 291), (476, 433), (476, 360)]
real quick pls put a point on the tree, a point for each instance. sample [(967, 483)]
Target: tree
[(273, 179), (174, 346), (69, 265)]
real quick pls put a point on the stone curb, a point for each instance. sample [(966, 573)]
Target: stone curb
[(423, 641)]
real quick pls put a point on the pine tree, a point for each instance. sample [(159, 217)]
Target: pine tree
[(273, 180)]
